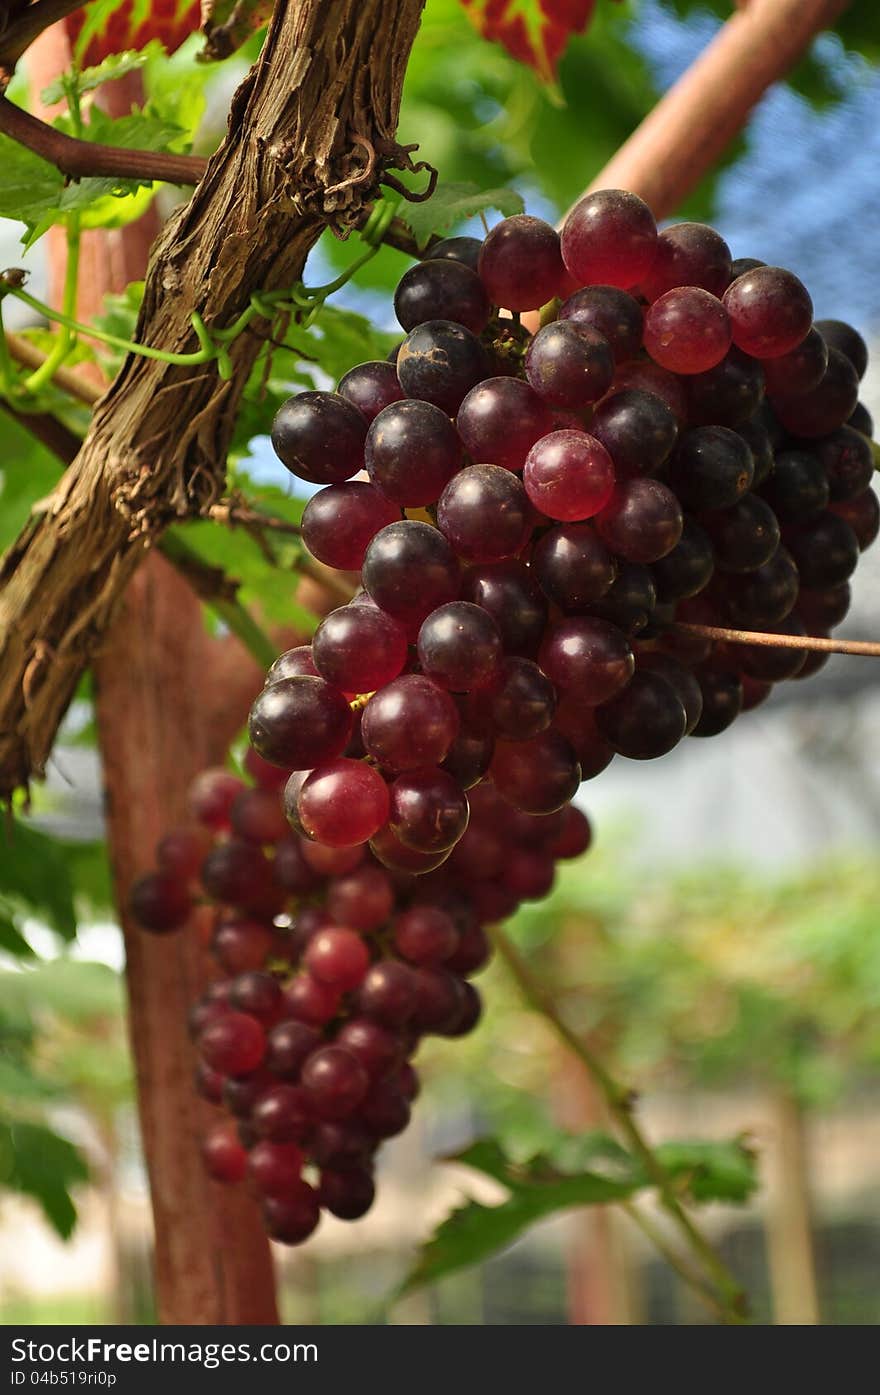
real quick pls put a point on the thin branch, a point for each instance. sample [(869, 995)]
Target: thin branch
[(79, 159), (74, 384), (48, 430), (619, 1100), (688, 1276), (867, 647), (31, 23), (256, 523), (231, 513)]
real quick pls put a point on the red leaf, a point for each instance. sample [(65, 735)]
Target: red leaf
[(534, 31), (132, 24)]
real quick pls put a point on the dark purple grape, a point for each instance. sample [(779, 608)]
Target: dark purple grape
[(459, 646), (646, 720), (440, 362), (568, 366), (681, 680), (441, 289), (524, 701), (711, 468), (797, 489), (500, 420), (847, 460), (862, 513), (319, 436), (409, 569), (609, 238), (160, 902), (429, 810), (758, 441), (688, 254), (509, 592), (827, 406), (685, 570), (729, 393), (457, 249), (825, 551), (745, 536), (588, 655), (484, 514), (569, 476), (643, 520), (629, 602), (299, 722), (359, 648), (799, 371), (409, 723), (637, 429), (770, 311), (348, 1194), (841, 336), (765, 596), (722, 701), (538, 776), (412, 452), (371, 387), (615, 314), (521, 264), (573, 566)]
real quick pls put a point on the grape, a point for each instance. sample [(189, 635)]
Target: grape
[(211, 795), (538, 776), (520, 263), (683, 683), (770, 311), (429, 811), (266, 776), (577, 724), (687, 330), (573, 566), (767, 595), (637, 429), (860, 419), (647, 719), (339, 521), (827, 406), (642, 521), (387, 848), (509, 592), (589, 655), (293, 663), (800, 370), (650, 377), (410, 723), (300, 721), (237, 873), (530, 874), (609, 238), (569, 366), (180, 851), (823, 610), (712, 468), (257, 817), (688, 567), (388, 994), (288, 1045), (629, 603), (457, 249), (241, 1094), (741, 265), (282, 1114), (754, 692), (439, 999), (371, 386), (722, 701), (233, 1044), (470, 755), (862, 513), (385, 1112), (307, 1000), (440, 362), (745, 536), (409, 569), (842, 337), (348, 1194), (441, 289), (223, 1156), (379, 1050), (292, 1218), (459, 646), (479, 853), (320, 437), (335, 1082), (358, 648), (331, 862), (274, 1168), (688, 254), (208, 1083), (362, 899), (614, 314), (825, 551), (472, 953), (569, 476), (257, 994), (160, 902), (847, 461), (772, 665), (412, 451), (342, 803), (241, 944), (425, 935), (728, 394), (524, 702), (500, 420), (337, 957), (469, 1013), (798, 488), (484, 514)]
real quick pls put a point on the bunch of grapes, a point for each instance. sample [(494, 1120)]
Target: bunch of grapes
[(531, 516), (331, 968)]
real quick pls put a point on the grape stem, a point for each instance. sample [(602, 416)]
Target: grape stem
[(23, 352), (869, 648), (731, 1298)]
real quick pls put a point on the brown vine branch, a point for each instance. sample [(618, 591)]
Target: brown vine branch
[(730, 1302), (869, 648), (30, 24), (74, 384), (80, 159)]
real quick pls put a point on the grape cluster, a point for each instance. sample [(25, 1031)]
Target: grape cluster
[(331, 968), (531, 516)]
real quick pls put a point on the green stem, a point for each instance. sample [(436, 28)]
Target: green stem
[(619, 1100), (688, 1276), (7, 369), (113, 340), (66, 339)]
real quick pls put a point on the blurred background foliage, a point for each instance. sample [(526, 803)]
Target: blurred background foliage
[(720, 979)]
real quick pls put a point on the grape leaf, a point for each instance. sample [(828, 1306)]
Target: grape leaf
[(12, 941), (34, 872), (711, 1171), (453, 203), (115, 65), (40, 1163), (114, 26), (534, 31)]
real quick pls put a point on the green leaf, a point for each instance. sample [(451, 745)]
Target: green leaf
[(34, 872), (711, 1171), (451, 204), (115, 65), (12, 941), (29, 473), (40, 1163)]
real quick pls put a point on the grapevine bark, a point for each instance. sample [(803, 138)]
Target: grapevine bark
[(309, 130)]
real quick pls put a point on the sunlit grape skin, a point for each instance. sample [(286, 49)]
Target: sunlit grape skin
[(342, 803), (371, 386), (500, 420), (339, 521), (520, 263), (569, 366), (588, 655), (688, 254), (359, 648), (770, 311), (609, 238), (687, 330), (569, 475), (409, 723)]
